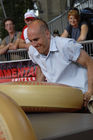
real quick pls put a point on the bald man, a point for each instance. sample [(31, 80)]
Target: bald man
[(60, 60)]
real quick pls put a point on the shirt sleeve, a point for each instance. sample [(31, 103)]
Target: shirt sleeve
[(72, 50), (3, 42)]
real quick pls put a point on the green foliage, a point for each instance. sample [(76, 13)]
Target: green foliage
[(15, 9)]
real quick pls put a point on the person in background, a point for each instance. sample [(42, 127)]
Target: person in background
[(29, 16), (60, 60), (75, 29), (12, 39), (56, 33)]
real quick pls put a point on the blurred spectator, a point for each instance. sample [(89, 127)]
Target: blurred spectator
[(76, 29), (29, 16), (13, 36), (11, 41), (56, 33)]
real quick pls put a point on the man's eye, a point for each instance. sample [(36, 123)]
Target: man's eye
[(36, 39), (30, 40)]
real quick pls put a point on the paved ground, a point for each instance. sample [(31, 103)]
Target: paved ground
[(62, 126)]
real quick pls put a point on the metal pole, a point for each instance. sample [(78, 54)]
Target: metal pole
[(68, 3), (3, 8)]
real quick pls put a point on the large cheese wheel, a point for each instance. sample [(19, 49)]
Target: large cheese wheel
[(34, 96), (14, 125)]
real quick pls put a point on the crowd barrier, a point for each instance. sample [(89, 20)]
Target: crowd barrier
[(88, 46), (12, 55)]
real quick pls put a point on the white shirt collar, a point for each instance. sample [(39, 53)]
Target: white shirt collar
[(53, 47)]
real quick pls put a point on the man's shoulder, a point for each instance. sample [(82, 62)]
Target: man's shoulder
[(4, 41), (62, 40), (5, 38), (65, 43)]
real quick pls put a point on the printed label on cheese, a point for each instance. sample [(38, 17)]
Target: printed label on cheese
[(4, 130)]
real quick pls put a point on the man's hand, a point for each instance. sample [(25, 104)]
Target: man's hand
[(86, 98), (23, 44), (12, 46), (39, 75)]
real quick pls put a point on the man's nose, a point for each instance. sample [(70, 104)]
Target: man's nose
[(72, 20)]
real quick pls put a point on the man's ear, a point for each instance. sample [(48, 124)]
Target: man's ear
[(48, 34)]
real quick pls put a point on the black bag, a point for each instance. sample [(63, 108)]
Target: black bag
[(86, 15)]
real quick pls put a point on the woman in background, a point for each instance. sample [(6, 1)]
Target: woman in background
[(76, 29)]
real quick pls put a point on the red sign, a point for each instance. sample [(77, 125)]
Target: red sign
[(17, 71)]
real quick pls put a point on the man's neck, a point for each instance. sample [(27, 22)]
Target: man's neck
[(11, 34)]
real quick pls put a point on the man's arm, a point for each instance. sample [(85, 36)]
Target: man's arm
[(86, 61), (22, 44), (39, 75), (14, 45), (3, 49), (3, 43)]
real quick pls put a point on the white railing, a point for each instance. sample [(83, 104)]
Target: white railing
[(11, 55), (59, 23), (84, 4), (88, 46)]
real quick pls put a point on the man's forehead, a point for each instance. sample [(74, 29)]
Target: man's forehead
[(33, 33), (35, 24), (8, 21), (32, 28)]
